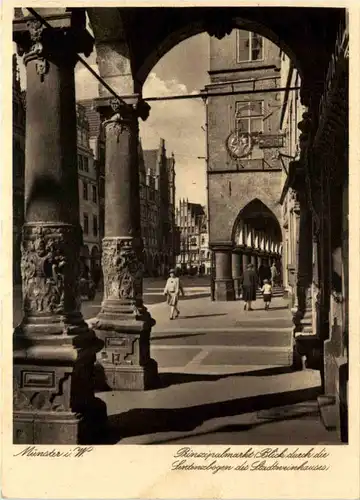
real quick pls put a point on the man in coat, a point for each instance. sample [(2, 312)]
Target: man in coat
[(249, 286)]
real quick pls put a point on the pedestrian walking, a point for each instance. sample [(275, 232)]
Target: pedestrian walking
[(172, 290), (274, 274), (267, 293), (249, 285)]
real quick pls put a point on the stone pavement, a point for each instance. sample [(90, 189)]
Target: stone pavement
[(225, 378), (220, 336), (222, 381)]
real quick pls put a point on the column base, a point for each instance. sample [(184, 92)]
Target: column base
[(224, 290), (60, 428), (334, 407), (53, 394), (131, 378), (125, 364)]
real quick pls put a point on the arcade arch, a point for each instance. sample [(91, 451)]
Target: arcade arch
[(257, 239)]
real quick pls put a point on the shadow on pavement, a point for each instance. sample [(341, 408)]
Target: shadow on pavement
[(142, 421), (201, 316), (168, 379), (237, 428), (197, 296), (183, 335), (280, 308)]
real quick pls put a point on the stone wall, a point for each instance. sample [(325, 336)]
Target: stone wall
[(231, 192)]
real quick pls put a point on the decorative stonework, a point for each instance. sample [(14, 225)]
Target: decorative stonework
[(52, 41), (50, 268), (239, 145), (42, 400), (122, 268), (125, 117), (120, 350), (218, 28), (35, 50)]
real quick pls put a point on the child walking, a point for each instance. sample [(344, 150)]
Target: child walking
[(267, 292), (172, 290)]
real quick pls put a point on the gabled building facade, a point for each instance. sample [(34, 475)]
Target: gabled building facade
[(194, 256), (244, 169), (89, 200), (157, 195)]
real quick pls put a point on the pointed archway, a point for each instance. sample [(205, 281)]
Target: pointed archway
[(257, 239)]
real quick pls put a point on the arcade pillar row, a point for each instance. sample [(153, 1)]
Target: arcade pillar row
[(230, 264)]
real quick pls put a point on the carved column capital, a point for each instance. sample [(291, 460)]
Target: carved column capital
[(120, 115), (57, 40)]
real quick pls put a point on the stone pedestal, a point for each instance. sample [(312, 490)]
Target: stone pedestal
[(224, 285), (237, 271), (54, 350), (123, 323)]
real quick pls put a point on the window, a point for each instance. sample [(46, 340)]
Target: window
[(250, 47), (80, 162), (249, 116), (94, 194), (203, 240), (85, 190), (86, 163), (95, 225), (86, 224)]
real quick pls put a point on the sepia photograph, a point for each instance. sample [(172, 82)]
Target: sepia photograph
[(180, 253)]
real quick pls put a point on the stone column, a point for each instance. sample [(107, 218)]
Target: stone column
[(295, 210), (237, 270), (246, 260), (54, 350), (254, 261), (123, 323), (224, 285)]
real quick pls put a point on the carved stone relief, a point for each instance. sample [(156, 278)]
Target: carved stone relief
[(50, 268), (122, 268), (57, 400)]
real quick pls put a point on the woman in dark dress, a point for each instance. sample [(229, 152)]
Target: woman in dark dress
[(249, 284)]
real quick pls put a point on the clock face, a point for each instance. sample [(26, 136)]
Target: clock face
[(239, 144)]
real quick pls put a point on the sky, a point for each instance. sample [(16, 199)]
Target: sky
[(179, 123)]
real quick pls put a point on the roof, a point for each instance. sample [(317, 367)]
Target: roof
[(92, 115)]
